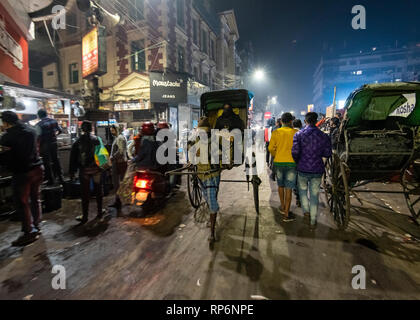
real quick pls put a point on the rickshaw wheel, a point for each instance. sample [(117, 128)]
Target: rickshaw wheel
[(340, 195), (327, 183), (194, 191), (256, 181), (411, 186)]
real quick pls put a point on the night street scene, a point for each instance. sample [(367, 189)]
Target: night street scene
[(209, 150)]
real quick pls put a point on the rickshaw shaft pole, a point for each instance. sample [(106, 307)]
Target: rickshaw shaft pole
[(377, 191)]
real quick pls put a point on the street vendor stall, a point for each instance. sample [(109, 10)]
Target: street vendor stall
[(26, 101)]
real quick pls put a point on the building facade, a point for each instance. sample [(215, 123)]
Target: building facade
[(170, 36), (348, 72)]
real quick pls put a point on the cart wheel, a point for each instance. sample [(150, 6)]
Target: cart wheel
[(194, 191), (202, 214), (256, 181), (411, 186), (327, 183), (340, 196)]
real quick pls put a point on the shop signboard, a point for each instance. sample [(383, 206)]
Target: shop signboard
[(330, 111), (94, 53), (10, 47), (168, 87), (130, 106)]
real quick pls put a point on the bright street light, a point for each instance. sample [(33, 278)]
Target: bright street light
[(259, 74)]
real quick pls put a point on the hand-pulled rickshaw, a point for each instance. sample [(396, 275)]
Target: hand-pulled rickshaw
[(212, 107), (378, 141)]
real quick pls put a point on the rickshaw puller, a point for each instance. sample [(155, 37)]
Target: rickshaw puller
[(209, 183)]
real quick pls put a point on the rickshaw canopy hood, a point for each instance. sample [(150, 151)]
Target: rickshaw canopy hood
[(215, 100), (376, 102)]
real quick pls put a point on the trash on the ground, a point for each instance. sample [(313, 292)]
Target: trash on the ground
[(182, 226), (373, 281), (198, 283), (279, 232), (258, 297), (28, 297)]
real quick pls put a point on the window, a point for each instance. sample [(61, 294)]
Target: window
[(213, 49), (180, 13), (204, 44), (71, 23), (73, 73), (196, 74), (195, 31), (136, 9), (205, 78), (181, 59), (138, 56)]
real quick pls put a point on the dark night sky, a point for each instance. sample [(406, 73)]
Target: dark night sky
[(289, 36)]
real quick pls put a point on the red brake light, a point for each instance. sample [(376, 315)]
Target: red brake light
[(142, 184)]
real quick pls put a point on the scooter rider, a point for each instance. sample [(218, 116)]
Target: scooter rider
[(146, 156)]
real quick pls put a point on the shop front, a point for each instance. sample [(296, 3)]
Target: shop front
[(26, 101), (129, 101)]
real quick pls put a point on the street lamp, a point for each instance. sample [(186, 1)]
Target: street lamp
[(259, 74)]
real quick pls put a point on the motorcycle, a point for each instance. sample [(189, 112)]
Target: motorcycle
[(150, 187)]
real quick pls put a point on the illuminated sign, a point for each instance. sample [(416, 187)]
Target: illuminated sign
[(94, 53), (311, 108)]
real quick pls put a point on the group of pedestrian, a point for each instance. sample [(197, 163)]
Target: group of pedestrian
[(30, 154), (298, 164)]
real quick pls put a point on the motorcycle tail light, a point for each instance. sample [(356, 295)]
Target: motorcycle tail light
[(142, 183)]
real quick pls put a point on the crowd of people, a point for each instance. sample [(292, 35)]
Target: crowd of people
[(298, 164), (30, 154), (295, 155)]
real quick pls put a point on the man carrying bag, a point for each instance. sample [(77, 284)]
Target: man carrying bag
[(82, 159)]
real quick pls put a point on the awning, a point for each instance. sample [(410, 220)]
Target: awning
[(34, 92)]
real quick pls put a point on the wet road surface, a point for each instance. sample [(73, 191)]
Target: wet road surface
[(167, 256)]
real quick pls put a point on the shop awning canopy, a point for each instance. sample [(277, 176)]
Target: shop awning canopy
[(18, 90)]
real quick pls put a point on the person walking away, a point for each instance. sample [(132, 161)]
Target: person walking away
[(82, 159), (310, 146), (209, 182), (267, 137), (22, 159), (119, 162), (297, 124), (271, 161), (280, 148), (48, 130)]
